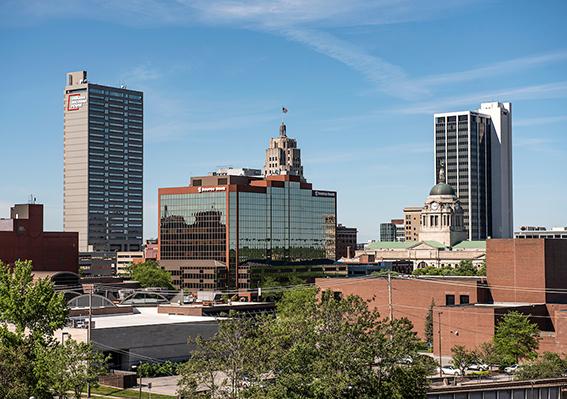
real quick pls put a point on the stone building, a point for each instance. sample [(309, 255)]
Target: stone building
[(283, 157)]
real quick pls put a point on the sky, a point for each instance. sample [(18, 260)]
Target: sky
[(361, 81)]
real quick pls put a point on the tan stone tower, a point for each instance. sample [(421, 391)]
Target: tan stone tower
[(283, 157), (442, 215)]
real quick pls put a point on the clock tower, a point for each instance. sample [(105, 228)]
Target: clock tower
[(442, 217)]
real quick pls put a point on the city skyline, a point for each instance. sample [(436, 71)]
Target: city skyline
[(360, 96)]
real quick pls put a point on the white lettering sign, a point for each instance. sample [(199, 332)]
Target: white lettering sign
[(210, 189), (323, 194), (75, 101)]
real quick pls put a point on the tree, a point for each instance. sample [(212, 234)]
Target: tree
[(548, 365), (150, 274), (230, 362), (429, 325), (70, 367), (318, 346), (482, 269), (486, 354), (466, 268), (462, 358), (516, 338), (29, 305), (35, 311), (16, 375)]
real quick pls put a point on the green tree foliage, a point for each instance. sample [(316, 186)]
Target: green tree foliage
[(35, 311), (316, 347), (486, 354), (158, 369), (548, 365), (16, 375), (516, 338), (70, 367), (150, 274), (462, 358), (482, 269), (429, 326), (228, 365), (29, 305), (32, 363), (464, 268)]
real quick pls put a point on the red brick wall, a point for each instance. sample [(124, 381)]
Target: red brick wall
[(514, 266), (462, 325), (556, 269), (47, 251), (410, 298)]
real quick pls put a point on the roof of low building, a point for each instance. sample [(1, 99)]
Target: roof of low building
[(470, 245), (391, 244)]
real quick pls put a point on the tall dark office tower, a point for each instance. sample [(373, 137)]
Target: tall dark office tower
[(473, 154), (103, 164)]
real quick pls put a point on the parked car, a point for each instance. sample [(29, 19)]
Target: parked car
[(478, 367), (511, 369), (449, 370)]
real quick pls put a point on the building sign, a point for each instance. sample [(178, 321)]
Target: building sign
[(211, 189), (75, 101), (317, 193)]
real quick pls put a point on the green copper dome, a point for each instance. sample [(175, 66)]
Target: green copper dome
[(442, 189)]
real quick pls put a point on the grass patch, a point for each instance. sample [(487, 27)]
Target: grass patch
[(126, 393)]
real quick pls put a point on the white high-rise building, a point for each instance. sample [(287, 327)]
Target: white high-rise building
[(473, 154)]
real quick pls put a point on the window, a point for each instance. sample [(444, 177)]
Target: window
[(464, 299), (197, 182), (449, 300), (223, 181)]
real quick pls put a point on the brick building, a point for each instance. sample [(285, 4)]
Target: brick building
[(22, 237), (346, 241), (528, 276)]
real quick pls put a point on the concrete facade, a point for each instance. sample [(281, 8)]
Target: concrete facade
[(412, 223), (103, 165)]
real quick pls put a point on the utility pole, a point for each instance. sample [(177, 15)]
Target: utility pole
[(390, 306), (89, 332), (439, 332)]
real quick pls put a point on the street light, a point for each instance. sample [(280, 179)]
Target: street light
[(135, 368)]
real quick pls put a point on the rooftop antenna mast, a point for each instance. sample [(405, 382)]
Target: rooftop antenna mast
[(32, 199)]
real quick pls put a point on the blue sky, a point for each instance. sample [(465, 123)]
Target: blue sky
[(361, 80)]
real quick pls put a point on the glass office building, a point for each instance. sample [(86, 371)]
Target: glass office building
[(238, 219)]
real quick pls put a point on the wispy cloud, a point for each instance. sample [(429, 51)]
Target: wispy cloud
[(495, 69), (387, 77), (545, 120), (533, 92), (308, 23)]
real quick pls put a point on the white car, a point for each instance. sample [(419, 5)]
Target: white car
[(478, 367), (449, 370), (511, 369)]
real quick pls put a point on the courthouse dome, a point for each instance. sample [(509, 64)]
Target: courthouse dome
[(442, 189)]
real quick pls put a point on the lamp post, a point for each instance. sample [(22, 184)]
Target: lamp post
[(439, 334)]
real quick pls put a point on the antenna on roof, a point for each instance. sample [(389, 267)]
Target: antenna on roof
[(32, 199)]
